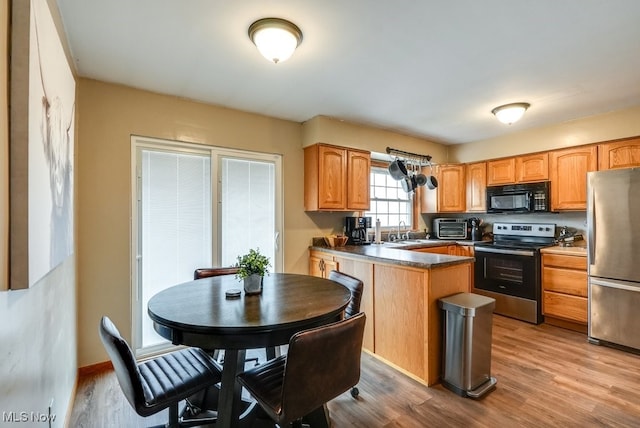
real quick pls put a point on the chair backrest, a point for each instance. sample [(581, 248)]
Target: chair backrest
[(354, 285), (322, 363), (124, 363), (218, 271)]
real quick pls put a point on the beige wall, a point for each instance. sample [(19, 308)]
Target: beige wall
[(593, 129), (108, 116), (323, 129), (38, 325)]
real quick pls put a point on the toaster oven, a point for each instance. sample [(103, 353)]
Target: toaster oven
[(450, 228)]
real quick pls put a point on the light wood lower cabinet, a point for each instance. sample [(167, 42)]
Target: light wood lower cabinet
[(320, 264), (403, 318), (364, 272), (564, 290), (407, 322)]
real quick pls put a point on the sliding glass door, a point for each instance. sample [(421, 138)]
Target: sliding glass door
[(197, 206)]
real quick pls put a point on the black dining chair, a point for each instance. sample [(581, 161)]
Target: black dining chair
[(355, 287), (220, 271), (321, 363), (162, 382), (214, 271)]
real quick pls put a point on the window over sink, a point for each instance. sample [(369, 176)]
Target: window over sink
[(389, 202)]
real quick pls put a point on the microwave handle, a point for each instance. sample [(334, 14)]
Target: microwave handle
[(530, 201)]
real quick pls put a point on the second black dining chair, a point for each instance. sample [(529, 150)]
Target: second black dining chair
[(321, 364), (355, 287), (221, 271)]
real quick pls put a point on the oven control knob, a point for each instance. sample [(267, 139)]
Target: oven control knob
[(540, 229)]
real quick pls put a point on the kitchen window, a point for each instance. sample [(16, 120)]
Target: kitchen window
[(389, 202)]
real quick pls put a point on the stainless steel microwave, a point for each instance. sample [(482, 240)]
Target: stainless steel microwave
[(519, 198)]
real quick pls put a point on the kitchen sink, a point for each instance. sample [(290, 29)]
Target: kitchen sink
[(405, 242)]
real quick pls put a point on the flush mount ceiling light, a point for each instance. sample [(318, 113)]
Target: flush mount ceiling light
[(510, 113), (275, 38)]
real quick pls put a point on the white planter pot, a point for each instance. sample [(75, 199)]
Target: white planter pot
[(253, 284)]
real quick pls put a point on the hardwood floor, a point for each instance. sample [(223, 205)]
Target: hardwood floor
[(547, 377)]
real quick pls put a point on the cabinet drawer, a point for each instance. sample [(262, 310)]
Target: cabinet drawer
[(564, 281), (566, 262), (563, 306)]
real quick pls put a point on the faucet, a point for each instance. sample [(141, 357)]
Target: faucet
[(399, 232)]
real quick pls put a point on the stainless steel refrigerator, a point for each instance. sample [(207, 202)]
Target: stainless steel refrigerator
[(613, 222)]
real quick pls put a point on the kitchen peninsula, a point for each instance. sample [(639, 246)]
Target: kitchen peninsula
[(401, 292)]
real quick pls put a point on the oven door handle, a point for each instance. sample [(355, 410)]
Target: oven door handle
[(527, 253)]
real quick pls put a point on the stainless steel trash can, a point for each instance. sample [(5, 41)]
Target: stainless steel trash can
[(466, 362)]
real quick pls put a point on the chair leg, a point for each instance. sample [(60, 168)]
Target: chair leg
[(318, 418), (173, 416)]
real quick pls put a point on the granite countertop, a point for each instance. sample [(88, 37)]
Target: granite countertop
[(576, 250), (398, 254)]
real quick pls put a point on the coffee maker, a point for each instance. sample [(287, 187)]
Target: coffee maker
[(474, 231), (356, 230)]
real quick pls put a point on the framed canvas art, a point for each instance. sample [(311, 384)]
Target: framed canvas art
[(41, 146)]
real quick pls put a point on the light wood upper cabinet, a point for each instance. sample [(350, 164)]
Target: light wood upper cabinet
[(358, 173), (451, 189), (520, 169), (619, 154), (533, 167), (336, 178), (449, 196), (476, 175), (501, 171), (569, 169)]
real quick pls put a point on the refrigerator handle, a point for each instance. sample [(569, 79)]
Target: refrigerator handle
[(612, 283), (591, 225)]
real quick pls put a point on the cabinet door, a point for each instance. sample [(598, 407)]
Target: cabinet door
[(332, 174), (358, 168), (501, 171), (464, 250), (476, 176), (400, 317), (620, 154), (315, 266), (451, 189), (320, 264), (532, 167), (364, 272), (565, 306), (569, 177), (429, 197)]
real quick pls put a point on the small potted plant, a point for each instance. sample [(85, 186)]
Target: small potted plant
[(252, 268)]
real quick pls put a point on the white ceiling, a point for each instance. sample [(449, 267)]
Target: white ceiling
[(432, 69)]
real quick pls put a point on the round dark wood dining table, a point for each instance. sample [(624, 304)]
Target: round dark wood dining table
[(198, 313)]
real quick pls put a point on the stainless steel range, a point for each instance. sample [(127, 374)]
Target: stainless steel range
[(508, 269)]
